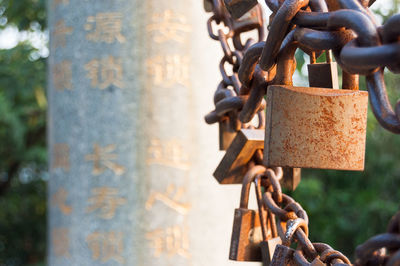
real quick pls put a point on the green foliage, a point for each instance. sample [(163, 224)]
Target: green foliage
[(23, 13), (23, 224), (22, 124), (23, 159), (23, 156)]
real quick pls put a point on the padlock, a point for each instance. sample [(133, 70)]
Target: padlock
[(246, 232), (291, 178), (238, 8), (226, 130), (283, 256), (253, 19), (234, 164), (267, 246), (226, 134), (309, 127), (323, 75)]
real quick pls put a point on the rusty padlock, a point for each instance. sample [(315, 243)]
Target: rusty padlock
[(309, 127), (226, 134), (234, 164), (238, 8), (315, 128), (270, 239), (226, 131), (246, 232), (323, 75), (291, 178), (250, 20), (283, 256)]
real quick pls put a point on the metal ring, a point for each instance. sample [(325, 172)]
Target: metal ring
[(277, 190), (291, 227), (328, 255)]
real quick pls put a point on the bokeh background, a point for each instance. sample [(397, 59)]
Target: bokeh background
[(345, 208)]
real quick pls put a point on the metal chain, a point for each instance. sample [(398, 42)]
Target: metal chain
[(360, 47), (359, 44), (232, 93)]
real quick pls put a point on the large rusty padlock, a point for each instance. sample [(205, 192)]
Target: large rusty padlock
[(246, 232), (310, 127)]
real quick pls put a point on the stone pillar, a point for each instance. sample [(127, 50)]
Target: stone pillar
[(131, 158)]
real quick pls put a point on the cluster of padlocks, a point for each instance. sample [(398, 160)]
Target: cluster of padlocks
[(320, 126)]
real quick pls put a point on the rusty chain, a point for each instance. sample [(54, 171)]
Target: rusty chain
[(359, 44), (360, 47), (293, 223), (231, 95)]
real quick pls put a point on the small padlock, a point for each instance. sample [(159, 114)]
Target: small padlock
[(270, 240), (283, 256), (226, 130), (238, 8), (250, 20), (226, 134), (323, 75), (246, 232), (234, 164), (291, 178)]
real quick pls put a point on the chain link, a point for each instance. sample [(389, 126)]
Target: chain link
[(360, 47)]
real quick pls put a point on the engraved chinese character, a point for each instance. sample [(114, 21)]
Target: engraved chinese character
[(105, 27), (105, 200), (169, 70), (60, 241), (103, 159), (60, 32), (62, 75), (59, 200), (60, 156), (105, 72), (172, 241), (106, 246), (170, 153), (169, 26), (171, 198)]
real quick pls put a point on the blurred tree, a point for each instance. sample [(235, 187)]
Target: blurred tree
[(22, 138)]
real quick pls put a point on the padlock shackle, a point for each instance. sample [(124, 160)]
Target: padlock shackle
[(247, 180)]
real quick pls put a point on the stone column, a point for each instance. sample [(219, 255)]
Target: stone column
[(131, 158)]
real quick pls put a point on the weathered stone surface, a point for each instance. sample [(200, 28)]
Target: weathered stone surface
[(131, 159)]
